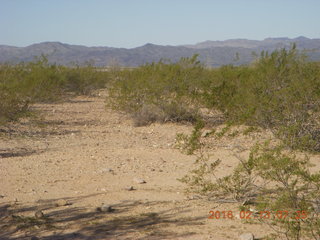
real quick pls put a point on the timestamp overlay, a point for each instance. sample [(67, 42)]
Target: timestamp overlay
[(250, 215)]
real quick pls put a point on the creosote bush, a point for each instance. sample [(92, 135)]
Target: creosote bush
[(280, 91), (39, 81), (159, 91), (273, 180)]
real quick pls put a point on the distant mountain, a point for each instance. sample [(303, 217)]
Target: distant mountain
[(270, 43), (212, 53)]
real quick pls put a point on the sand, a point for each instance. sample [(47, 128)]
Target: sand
[(86, 155)]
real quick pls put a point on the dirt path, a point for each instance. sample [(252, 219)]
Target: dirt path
[(89, 155)]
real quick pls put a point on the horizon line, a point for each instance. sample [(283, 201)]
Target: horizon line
[(148, 43)]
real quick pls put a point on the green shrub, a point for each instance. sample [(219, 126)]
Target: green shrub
[(277, 92), (291, 187), (39, 81), (12, 105), (280, 91), (85, 79), (272, 180), (170, 90), (190, 144), (14, 102)]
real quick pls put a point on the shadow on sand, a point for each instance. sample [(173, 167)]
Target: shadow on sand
[(71, 222)]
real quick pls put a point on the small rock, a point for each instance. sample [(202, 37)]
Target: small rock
[(246, 236), (193, 197), (152, 169), (105, 208), (39, 214), (1, 196), (131, 188), (139, 180), (206, 133), (61, 202)]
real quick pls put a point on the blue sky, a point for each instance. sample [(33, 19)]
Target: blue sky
[(132, 23)]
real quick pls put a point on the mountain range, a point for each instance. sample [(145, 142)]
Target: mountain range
[(211, 53)]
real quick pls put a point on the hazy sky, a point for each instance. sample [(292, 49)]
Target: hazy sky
[(132, 23)]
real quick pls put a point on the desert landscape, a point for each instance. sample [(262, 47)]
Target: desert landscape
[(93, 175), (89, 156), (155, 120)]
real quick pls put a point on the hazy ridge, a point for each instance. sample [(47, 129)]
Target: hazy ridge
[(212, 53)]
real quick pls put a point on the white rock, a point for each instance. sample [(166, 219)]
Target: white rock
[(206, 133), (139, 180), (61, 202), (105, 208), (131, 188), (246, 236), (106, 170)]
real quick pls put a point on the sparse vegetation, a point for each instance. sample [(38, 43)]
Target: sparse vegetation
[(38, 81), (159, 91), (280, 92), (272, 181)]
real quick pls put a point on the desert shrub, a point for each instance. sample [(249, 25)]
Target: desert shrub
[(280, 92), (14, 102), (290, 188), (170, 88), (84, 79), (148, 114), (273, 180), (12, 105), (39, 81), (163, 112), (190, 144)]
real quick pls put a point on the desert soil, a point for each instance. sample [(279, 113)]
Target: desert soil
[(86, 155)]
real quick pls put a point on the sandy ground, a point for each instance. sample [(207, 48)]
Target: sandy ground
[(88, 155)]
